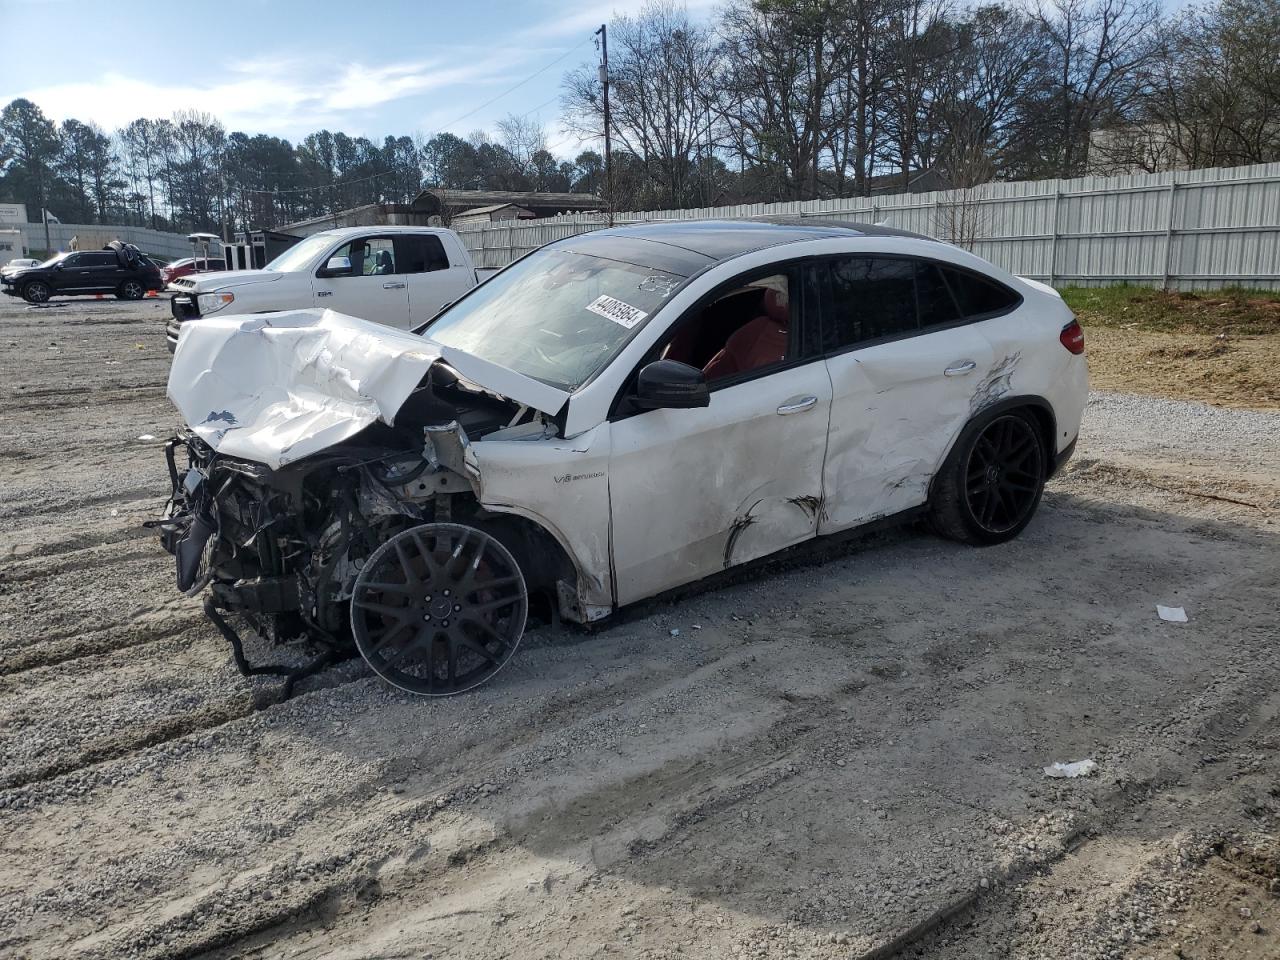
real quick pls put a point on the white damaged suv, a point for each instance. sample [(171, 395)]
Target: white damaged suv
[(610, 417)]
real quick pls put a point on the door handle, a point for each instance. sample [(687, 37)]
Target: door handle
[(393, 285), (959, 369), (797, 405)]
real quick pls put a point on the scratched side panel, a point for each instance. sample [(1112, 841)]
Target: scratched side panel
[(1034, 362), (562, 485)]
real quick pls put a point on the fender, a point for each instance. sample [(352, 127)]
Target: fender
[(1044, 414)]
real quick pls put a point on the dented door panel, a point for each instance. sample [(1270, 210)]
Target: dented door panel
[(895, 413), (696, 491)]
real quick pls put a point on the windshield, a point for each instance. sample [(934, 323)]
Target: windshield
[(55, 258), (297, 256), (556, 316)]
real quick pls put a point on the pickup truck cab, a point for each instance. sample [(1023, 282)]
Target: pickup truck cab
[(398, 276)]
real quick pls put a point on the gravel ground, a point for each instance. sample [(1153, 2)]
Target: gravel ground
[(838, 756)]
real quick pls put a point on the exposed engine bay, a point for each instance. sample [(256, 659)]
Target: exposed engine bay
[(379, 539)]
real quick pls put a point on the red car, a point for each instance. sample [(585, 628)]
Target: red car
[(180, 268)]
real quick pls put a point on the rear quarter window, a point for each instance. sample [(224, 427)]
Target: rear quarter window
[(979, 296)]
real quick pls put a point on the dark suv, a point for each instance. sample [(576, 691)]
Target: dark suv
[(119, 268)]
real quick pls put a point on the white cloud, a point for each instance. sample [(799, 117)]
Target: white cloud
[(283, 97)]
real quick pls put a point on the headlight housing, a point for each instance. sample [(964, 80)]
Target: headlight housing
[(213, 302)]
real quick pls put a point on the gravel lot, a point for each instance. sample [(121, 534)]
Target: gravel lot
[(839, 754)]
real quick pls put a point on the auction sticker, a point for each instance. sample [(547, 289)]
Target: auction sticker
[(611, 308)]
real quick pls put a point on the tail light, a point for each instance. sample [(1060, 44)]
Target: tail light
[(1072, 337)]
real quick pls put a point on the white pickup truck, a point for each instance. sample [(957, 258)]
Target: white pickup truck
[(400, 276)]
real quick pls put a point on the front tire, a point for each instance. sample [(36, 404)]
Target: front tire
[(131, 290), (439, 608), (36, 291), (990, 486)]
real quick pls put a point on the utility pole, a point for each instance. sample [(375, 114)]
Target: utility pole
[(603, 34)]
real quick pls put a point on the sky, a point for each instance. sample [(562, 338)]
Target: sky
[(289, 68)]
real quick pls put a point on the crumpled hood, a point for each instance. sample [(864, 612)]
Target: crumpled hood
[(274, 388)]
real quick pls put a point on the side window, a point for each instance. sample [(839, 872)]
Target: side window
[(933, 300), (75, 260), (97, 260), (746, 328), (978, 295), (370, 256), (420, 254), (869, 298), (379, 257)]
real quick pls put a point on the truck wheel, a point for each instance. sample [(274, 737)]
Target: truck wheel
[(131, 290), (35, 291)]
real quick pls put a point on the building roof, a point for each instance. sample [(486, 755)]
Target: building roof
[(438, 200), (491, 208)]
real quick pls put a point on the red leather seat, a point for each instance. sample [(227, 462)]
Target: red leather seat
[(755, 344)]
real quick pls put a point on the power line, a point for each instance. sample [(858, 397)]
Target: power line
[(472, 113)]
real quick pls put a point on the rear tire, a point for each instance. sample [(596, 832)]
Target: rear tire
[(36, 291), (131, 290), (991, 484)]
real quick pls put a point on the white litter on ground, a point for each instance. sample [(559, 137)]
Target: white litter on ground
[(1172, 614), (1069, 771)]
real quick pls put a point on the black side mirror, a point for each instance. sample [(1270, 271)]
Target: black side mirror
[(670, 384)]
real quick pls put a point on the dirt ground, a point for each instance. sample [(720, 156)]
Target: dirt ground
[(1220, 347), (838, 755)]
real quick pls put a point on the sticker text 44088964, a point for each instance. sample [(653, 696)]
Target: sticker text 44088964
[(620, 312)]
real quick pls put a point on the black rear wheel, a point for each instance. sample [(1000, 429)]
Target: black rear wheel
[(439, 608), (36, 291), (131, 290), (991, 485)]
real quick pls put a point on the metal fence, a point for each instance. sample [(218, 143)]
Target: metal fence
[(92, 236), (1198, 229)]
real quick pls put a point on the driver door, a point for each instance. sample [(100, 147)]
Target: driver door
[(694, 491), (370, 287)]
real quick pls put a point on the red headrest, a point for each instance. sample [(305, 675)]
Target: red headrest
[(775, 306)]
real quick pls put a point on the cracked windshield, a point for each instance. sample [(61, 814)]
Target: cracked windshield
[(556, 316)]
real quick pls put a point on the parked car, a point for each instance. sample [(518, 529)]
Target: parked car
[(119, 268), (189, 265), (18, 263), (611, 417), (398, 276)]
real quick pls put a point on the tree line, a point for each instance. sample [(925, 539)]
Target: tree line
[(805, 99), (767, 100), (187, 173)]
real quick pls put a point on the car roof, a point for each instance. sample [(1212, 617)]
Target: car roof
[(717, 240)]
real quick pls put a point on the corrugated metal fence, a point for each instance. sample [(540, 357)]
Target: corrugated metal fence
[(1199, 229), (92, 236)]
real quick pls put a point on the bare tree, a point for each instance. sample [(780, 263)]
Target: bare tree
[(1100, 52), (661, 65)]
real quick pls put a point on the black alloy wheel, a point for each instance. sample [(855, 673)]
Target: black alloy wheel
[(1004, 475), (131, 290), (36, 291), (439, 608)]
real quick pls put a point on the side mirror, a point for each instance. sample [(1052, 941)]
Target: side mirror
[(669, 384), (58, 265), (336, 267)]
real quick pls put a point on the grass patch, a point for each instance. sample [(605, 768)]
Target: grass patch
[(1235, 311), (1218, 346)]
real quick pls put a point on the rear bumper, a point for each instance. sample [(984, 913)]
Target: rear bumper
[(1060, 459)]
